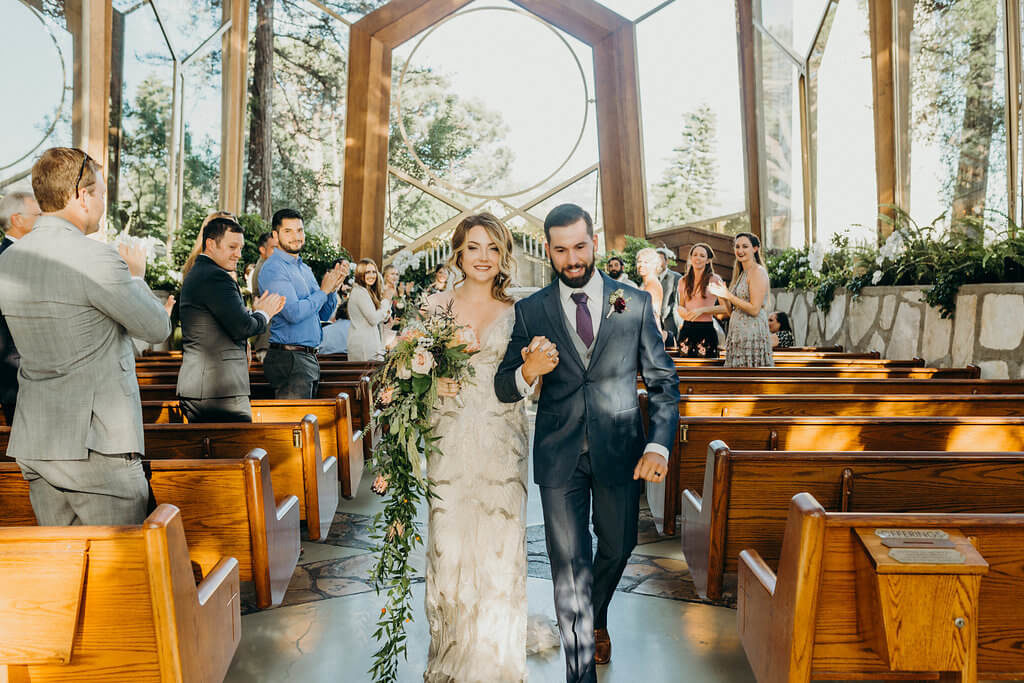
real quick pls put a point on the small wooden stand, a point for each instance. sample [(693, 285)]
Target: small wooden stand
[(920, 617)]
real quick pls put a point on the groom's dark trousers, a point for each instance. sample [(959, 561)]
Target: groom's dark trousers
[(588, 439), (584, 589)]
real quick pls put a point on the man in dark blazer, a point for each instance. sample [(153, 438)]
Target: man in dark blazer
[(213, 384), (670, 295), (18, 213), (589, 336)]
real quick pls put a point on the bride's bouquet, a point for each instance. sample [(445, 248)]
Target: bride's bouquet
[(405, 390)]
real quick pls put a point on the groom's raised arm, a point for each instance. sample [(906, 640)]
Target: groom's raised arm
[(506, 387), (659, 373)]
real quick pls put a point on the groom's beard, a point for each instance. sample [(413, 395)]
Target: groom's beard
[(574, 282)]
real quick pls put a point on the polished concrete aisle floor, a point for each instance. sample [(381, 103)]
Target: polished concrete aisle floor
[(323, 632)]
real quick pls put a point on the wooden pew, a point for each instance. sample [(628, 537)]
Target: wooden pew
[(333, 417), (108, 603), (713, 384), (819, 616), (884, 405), (952, 434), (801, 373), (360, 408), (297, 464), (747, 493), (227, 509), (801, 362)]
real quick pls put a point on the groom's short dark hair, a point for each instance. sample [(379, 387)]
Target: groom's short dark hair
[(567, 214)]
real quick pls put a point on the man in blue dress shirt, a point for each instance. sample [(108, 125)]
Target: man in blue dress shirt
[(290, 364)]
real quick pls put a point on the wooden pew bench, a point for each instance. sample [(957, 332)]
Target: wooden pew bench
[(747, 495), (227, 509), (829, 613), (811, 361), (108, 603), (333, 417), (848, 372), (883, 405), (952, 434), (716, 384), (297, 464)]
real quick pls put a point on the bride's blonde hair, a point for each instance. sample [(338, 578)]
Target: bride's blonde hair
[(501, 236)]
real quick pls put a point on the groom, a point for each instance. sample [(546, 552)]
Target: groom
[(589, 442)]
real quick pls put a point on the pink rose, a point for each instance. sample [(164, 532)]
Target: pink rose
[(387, 395), (422, 362), (465, 336)]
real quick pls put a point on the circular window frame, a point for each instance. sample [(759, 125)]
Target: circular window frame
[(479, 195)]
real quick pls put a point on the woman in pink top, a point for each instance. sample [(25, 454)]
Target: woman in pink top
[(697, 337)]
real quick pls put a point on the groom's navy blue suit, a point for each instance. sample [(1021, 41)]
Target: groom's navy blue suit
[(589, 437)]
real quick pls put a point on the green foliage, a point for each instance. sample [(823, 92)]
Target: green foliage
[(970, 252), (628, 256), (321, 252)]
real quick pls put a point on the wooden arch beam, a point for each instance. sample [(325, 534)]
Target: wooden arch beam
[(371, 40)]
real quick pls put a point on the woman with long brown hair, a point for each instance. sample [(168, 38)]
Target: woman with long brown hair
[(747, 344), (367, 310), (697, 336), (476, 543)]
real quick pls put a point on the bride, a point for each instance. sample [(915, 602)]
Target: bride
[(476, 544)]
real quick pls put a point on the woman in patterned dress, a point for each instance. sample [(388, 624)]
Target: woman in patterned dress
[(747, 344)]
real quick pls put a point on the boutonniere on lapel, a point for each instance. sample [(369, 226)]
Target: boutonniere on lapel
[(617, 303)]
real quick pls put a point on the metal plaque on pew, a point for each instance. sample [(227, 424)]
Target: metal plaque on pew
[(914, 538), (927, 555)]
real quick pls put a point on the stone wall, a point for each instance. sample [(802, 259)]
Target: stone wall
[(987, 330)]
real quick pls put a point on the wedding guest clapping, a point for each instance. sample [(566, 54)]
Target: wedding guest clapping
[(213, 384), (747, 344), (368, 308), (73, 305), (781, 330), (697, 336)]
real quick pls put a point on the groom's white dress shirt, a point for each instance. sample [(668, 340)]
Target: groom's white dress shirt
[(594, 289)]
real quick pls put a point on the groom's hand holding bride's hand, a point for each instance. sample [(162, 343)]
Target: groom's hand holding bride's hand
[(539, 358), (652, 467)]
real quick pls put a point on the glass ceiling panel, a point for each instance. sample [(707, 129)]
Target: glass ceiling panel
[(793, 22), (188, 22)]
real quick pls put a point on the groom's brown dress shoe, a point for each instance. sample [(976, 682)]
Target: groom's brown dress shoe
[(602, 646)]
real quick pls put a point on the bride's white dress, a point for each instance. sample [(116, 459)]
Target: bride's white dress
[(476, 543)]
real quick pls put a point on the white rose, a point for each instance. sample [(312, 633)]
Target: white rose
[(422, 362), (404, 372), (876, 277)]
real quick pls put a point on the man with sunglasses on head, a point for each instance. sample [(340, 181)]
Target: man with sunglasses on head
[(73, 305)]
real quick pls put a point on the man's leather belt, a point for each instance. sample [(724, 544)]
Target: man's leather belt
[(293, 347)]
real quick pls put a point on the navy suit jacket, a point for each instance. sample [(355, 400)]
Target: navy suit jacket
[(9, 358), (600, 398)]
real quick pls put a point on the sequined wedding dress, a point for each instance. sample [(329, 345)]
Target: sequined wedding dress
[(476, 542)]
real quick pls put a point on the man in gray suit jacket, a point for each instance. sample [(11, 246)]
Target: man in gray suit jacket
[(589, 443), (213, 384), (73, 305)]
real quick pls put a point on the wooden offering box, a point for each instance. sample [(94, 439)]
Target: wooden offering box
[(917, 598)]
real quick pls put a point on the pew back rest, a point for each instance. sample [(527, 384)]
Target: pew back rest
[(881, 405), (754, 488), (141, 616), (710, 384)]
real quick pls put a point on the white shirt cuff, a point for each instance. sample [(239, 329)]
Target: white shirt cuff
[(656, 448), (266, 316), (524, 388)]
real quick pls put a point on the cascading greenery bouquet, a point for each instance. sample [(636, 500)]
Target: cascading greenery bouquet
[(405, 392)]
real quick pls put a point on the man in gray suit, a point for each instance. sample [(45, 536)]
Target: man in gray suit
[(589, 443), (670, 295), (73, 305), (213, 384)]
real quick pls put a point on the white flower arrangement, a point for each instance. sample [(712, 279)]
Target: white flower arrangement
[(406, 259), (816, 258)]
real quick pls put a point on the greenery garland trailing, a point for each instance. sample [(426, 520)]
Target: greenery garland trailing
[(970, 251), (405, 392)]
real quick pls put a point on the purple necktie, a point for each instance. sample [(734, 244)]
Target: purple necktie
[(584, 323)]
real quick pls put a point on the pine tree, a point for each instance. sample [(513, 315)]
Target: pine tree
[(686, 190)]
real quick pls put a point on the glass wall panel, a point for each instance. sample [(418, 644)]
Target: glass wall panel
[(188, 22), (793, 22), (690, 96), (779, 146), (842, 125), (958, 96), (201, 109), (140, 201), (36, 50), (308, 113)]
